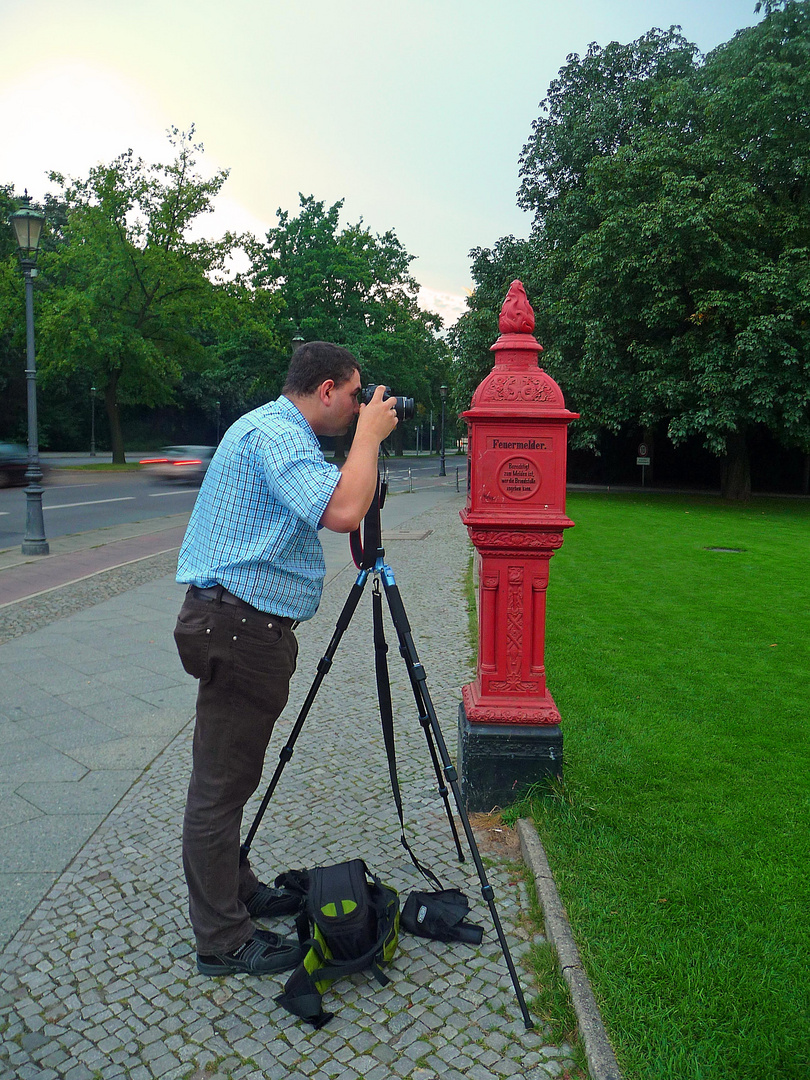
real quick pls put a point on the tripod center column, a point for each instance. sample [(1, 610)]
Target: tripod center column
[(509, 726)]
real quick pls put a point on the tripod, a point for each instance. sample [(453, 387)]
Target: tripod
[(370, 558)]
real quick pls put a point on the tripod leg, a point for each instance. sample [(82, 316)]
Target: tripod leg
[(417, 675), (324, 665), (424, 720)]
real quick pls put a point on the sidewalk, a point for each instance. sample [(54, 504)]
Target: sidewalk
[(98, 976)]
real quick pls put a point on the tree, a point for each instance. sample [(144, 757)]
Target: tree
[(695, 285), (670, 241), (247, 354), (353, 287), (595, 106), (129, 294)]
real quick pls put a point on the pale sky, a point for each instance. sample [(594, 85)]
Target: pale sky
[(414, 111)]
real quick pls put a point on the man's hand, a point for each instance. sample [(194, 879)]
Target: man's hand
[(377, 419)]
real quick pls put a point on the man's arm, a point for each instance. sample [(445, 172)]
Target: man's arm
[(358, 478)]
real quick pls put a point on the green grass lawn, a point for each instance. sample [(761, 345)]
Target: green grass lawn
[(680, 839)]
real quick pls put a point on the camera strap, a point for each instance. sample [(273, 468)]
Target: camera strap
[(387, 719), (367, 547)]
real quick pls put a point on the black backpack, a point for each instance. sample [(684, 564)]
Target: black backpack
[(350, 923)]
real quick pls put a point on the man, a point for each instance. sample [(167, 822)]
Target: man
[(254, 565)]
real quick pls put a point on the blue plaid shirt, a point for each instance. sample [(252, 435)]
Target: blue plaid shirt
[(254, 524)]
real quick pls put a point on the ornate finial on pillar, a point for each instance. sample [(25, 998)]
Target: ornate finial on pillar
[(516, 315)]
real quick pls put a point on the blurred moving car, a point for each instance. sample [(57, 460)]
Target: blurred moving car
[(13, 463), (180, 464)]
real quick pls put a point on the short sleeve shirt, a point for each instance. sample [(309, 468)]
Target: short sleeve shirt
[(254, 527)]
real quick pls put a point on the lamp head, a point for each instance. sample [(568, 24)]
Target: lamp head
[(28, 230)]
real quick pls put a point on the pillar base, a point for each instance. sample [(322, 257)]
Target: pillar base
[(497, 762), (35, 547)]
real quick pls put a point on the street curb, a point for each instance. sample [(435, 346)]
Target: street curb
[(602, 1064)]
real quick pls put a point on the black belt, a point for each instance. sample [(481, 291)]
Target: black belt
[(220, 593)]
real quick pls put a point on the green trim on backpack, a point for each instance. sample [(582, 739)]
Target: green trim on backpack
[(351, 923)]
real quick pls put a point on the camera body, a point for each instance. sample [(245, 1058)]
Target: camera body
[(403, 407)]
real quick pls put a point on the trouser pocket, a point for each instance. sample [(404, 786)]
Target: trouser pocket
[(192, 635)]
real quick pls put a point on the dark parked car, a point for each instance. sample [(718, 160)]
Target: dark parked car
[(13, 463), (180, 464)]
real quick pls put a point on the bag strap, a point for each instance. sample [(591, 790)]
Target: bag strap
[(302, 998), (387, 719)]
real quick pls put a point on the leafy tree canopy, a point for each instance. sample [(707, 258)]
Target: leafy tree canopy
[(668, 262), (129, 292), (353, 287)]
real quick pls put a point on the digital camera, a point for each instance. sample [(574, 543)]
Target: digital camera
[(403, 407)]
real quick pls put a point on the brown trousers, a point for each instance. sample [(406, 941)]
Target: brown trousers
[(244, 661)]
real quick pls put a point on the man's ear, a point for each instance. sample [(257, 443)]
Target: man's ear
[(325, 390)]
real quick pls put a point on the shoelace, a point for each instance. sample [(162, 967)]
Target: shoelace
[(252, 950)]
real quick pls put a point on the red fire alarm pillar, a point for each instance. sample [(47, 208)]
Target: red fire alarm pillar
[(509, 725)]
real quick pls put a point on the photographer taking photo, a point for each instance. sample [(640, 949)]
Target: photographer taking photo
[(255, 567)]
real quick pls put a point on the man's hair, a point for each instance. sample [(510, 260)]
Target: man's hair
[(314, 363)]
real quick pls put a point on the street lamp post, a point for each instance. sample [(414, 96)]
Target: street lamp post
[(442, 470), (92, 421), (28, 229)]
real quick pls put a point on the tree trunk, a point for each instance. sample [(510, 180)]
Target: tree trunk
[(806, 476), (397, 438), (736, 477), (114, 420)]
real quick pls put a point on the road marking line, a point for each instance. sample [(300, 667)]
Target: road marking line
[(91, 502), (180, 491)]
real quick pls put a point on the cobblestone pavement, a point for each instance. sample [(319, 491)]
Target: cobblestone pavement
[(100, 982)]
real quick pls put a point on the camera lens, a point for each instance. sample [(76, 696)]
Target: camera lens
[(403, 406)]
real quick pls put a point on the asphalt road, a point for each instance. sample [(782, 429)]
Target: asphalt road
[(76, 500)]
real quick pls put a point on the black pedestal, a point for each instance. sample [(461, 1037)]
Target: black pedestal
[(497, 762)]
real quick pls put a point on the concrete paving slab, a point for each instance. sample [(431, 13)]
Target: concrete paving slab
[(79, 731), (137, 680), (176, 698), (94, 693), (21, 891), (95, 793), (13, 808), (47, 844), (123, 712), (11, 731), (23, 699), (134, 752), (63, 717), (45, 669), (20, 752), (45, 768), (59, 680)]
